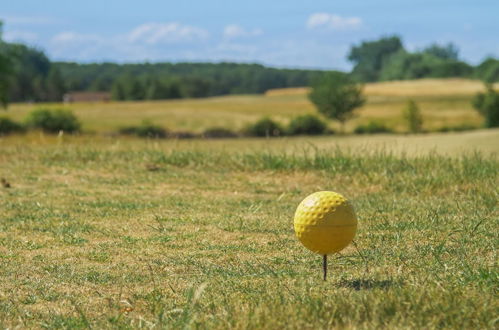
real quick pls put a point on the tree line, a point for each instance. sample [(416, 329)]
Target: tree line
[(387, 59)]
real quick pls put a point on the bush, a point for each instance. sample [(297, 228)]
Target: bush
[(413, 117), (219, 132), (307, 125), (457, 128), (53, 120), (487, 104), (264, 127), (182, 135), (8, 126), (145, 129), (372, 127)]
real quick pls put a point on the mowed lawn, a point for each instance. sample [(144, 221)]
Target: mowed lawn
[(443, 102), (110, 232)]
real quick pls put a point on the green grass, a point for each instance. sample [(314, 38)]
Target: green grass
[(123, 233)]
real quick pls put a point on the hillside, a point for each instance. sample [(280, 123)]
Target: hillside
[(444, 103)]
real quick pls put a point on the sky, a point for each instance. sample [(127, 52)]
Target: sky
[(291, 33)]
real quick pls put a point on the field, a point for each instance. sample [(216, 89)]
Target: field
[(444, 103), (101, 231)]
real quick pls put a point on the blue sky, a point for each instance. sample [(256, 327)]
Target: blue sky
[(292, 33)]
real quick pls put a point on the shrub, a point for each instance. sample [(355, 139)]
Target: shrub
[(145, 129), (264, 127), (487, 104), (372, 127), (413, 117), (8, 126), (307, 125), (457, 128), (182, 135), (53, 120), (219, 132)]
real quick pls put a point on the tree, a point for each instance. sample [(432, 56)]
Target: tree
[(118, 91), (447, 52), (4, 74), (413, 117), (336, 96), (487, 104), (29, 67), (54, 85), (370, 56), (488, 70), (404, 65)]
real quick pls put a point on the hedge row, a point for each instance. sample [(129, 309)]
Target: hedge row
[(56, 120)]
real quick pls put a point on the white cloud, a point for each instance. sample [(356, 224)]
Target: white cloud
[(156, 33), (233, 31), (78, 46), (333, 21), (23, 36)]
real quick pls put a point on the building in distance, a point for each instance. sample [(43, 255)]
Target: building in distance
[(72, 97)]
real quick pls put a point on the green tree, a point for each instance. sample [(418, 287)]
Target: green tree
[(447, 52), (4, 73), (194, 87), (369, 57), (135, 90), (29, 68), (488, 70), (118, 91), (336, 96), (404, 65), (54, 85), (413, 117), (487, 104)]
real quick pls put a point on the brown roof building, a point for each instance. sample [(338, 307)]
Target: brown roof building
[(87, 97)]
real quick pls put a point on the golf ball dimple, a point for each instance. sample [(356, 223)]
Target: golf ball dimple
[(325, 222)]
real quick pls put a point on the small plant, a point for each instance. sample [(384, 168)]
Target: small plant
[(413, 117), (372, 127), (264, 127), (53, 120), (8, 126), (145, 129), (487, 104), (219, 132), (457, 128), (182, 135), (307, 125)]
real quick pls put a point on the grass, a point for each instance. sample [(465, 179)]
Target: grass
[(123, 233), (100, 231), (444, 103)]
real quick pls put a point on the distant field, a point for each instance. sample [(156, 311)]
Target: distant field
[(443, 103), (405, 88)]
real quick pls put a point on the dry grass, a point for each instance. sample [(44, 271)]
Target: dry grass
[(406, 88), (451, 144), (89, 237), (443, 103), (109, 232)]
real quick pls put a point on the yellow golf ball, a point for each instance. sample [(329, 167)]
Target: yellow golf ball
[(325, 222)]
